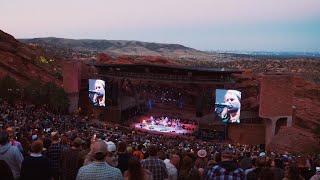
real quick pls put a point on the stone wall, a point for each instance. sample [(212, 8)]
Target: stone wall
[(247, 133)]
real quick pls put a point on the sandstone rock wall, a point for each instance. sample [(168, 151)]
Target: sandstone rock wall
[(21, 61)]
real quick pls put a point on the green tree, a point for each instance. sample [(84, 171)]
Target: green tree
[(56, 98), (9, 89), (58, 101), (34, 93)]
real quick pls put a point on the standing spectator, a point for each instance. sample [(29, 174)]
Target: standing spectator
[(112, 157), (292, 172), (266, 174), (226, 169), (245, 163), (83, 153), (260, 163), (36, 167), (155, 165), (99, 169), (123, 156), (53, 153), (10, 154), (13, 141), (276, 167), (5, 171), (317, 175), (138, 152), (136, 172), (69, 160), (172, 165), (188, 170), (253, 162), (161, 155), (202, 160)]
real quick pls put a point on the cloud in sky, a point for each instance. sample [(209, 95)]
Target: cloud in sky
[(201, 24)]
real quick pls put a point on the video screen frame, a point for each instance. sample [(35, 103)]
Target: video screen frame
[(97, 92), (228, 105)]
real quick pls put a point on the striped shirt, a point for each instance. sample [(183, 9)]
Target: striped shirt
[(99, 171)]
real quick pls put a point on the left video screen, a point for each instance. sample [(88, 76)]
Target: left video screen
[(97, 92)]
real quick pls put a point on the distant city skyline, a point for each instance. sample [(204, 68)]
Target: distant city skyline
[(227, 25)]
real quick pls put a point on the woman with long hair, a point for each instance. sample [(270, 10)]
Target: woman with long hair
[(135, 171), (188, 170), (292, 172)]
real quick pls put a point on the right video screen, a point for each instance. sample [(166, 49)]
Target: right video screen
[(228, 105)]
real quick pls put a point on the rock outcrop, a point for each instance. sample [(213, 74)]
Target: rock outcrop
[(26, 62)]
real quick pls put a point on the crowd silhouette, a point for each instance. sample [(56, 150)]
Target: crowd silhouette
[(38, 144)]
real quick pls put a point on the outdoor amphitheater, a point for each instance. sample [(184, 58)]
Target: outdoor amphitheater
[(178, 100)]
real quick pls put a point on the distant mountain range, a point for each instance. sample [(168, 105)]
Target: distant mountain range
[(62, 47), (119, 47), (271, 55)]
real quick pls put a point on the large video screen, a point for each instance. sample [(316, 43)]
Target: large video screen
[(97, 93), (228, 105)]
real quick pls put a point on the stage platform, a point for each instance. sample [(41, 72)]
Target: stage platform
[(147, 125)]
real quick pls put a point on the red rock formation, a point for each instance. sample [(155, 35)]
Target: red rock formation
[(306, 104), (306, 112), (21, 61), (104, 58), (293, 139)]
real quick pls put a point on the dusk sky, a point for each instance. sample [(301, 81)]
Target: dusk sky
[(251, 25)]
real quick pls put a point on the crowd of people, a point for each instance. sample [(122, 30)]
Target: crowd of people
[(160, 94), (36, 144)]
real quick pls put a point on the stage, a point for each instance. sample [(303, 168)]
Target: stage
[(160, 126)]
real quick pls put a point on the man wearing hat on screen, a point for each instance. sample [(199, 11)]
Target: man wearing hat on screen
[(231, 113), (99, 169), (226, 169)]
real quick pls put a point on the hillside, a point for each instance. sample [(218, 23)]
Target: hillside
[(26, 63), (115, 48)]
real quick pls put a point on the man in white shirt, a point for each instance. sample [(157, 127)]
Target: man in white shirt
[(171, 166)]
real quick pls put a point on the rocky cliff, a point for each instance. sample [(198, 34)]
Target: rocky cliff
[(26, 62)]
